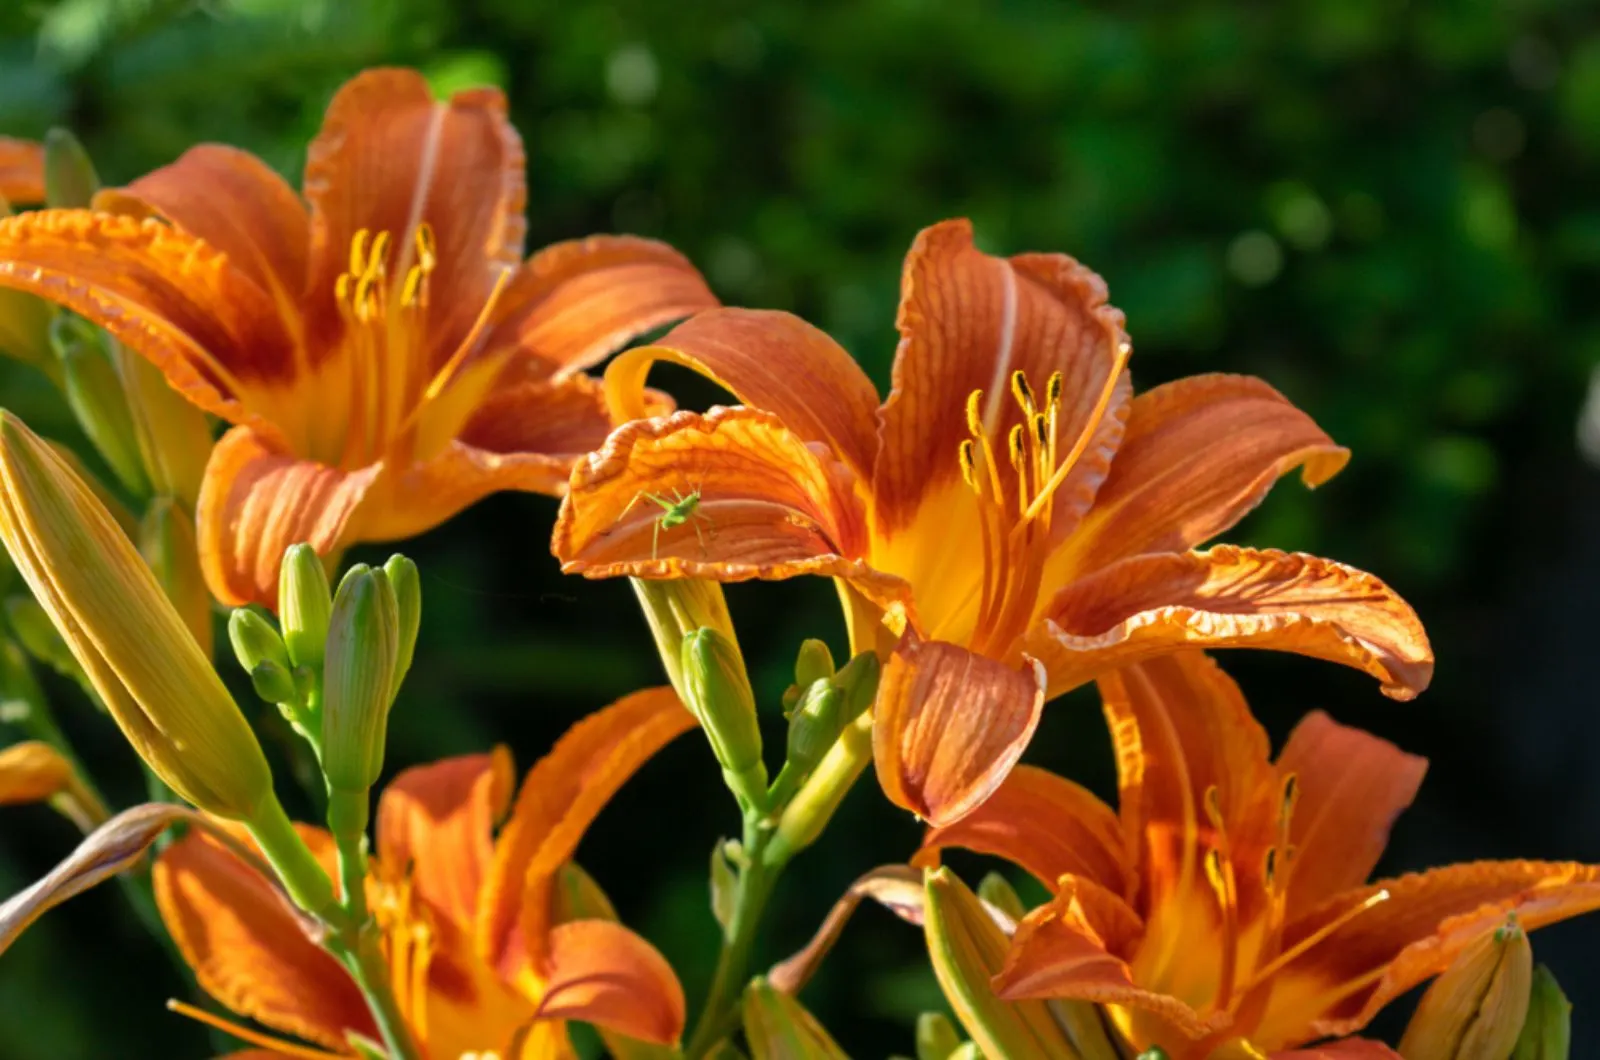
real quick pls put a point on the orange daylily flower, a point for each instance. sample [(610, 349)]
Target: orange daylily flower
[(1225, 902), (1025, 522), (386, 355), (483, 958), (21, 172)]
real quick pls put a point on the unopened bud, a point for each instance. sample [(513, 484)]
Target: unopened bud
[(358, 679), (69, 177), (407, 586), (1155, 1052), (168, 544), (814, 662), (936, 1036), (814, 726), (1547, 1032), (32, 771), (304, 605), (996, 890), (777, 1027), (677, 607), (124, 633), (255, 641), (172, 435), (859, 683), (717, 692), (274, 684), (1475, 1010), (94, 391)]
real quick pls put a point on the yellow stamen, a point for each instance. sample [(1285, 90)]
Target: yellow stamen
[(1124, 351), (427, 248), (1052, 389), (1219, 873), (380, 252), (1022, 392), (974, 418), (245, 1034), (1300, 948), (358, 252), (969, 474)]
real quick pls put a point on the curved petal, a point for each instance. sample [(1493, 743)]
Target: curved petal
[(436, 825), (1071, 948), (239, 205), (1347, 1049), (768, 506), (602, 973), (176, 300), (1358, 960), (248, 951), (1199, 453), (572, 304), (1045, 823), (562, 794), (420, 497), (771, 361), (1180, 727), (967, 322), (389, 158), (21, 171), (948, 726), (255, 502), (1230, 597), (1351, 786)]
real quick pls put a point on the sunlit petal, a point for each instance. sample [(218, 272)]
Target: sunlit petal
[(602, 973), (21, 171)]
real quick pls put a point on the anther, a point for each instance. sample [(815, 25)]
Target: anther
[(969, 472), (380, 252), (974, 420), (427, 249), (1041, 429), (1015, 443), (358, 251), (1052, 390), (415, 291), (1023, 392)]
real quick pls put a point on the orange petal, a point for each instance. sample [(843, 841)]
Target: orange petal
[(967, 322), (215, 334), (572, 304), (602, 973), (1346, 1049), (1350, 973), (949, 725), (248, 951), (240, 206), (1069, 949), (1179, 727), (771, 361), (420, 497), (1230, 597), (768, 506), (1352, 786), (255, 502), (562, 794), (21, 171), (1045, 823), (1199, 453), (437, 823), (390, 157)]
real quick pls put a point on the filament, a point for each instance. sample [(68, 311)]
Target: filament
[(245, 1034)]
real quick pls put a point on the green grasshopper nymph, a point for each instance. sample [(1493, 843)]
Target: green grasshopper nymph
[(677, 510)]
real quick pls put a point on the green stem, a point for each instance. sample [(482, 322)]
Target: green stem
[(809, 812), (302, 877), (366, 966), (720, 1014)]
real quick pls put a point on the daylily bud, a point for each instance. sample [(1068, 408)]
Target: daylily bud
[(936, 1037), (407, 585), (1547, 1032), (859, 683), (33, 771), (358, 679), (814, 662), (814, 726), (94, 390), (718, 694), (304, 605), (69, 177), (255, 641), (275, 684), (998, 892), (1476, 1009), (676, 608), (724, 886), (778, 1027), (967, 949), (173, 436), (119, 625), (167, 541)]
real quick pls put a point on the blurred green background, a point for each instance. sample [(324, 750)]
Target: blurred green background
[(1389, 209)]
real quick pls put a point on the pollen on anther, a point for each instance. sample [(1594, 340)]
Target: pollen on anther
[(1041, 428), (1052, 390), (1014, 441), (969, 472), (358, 251), (974, 420), (427, 248), (1023, 392)]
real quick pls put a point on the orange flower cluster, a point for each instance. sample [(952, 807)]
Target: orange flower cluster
[(1012, 521)]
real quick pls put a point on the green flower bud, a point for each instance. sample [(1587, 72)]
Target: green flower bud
[(1155, 1052), (1547, 1032), (273, 683), (814, 726), (998, 892), (407, 585), (777, 1027), (94, 391), (255, 641), (936, 1036), (69, 177), (1475, 1010), (677, 607), (814, 662), (717, 692), (358, 679), (859, 683), (304, 605)]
